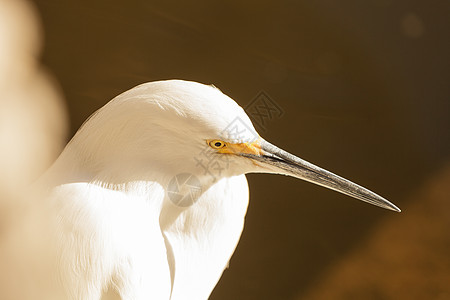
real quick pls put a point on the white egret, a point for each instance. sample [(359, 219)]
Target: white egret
[(139, 210)]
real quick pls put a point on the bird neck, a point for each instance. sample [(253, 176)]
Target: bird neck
[(203, 236)]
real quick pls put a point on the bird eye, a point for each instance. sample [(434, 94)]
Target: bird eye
[(216, 144)]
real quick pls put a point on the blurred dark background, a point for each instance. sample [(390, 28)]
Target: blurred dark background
[(364, 87)]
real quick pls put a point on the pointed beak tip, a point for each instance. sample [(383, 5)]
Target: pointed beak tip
[(392, 207), (397, 209)]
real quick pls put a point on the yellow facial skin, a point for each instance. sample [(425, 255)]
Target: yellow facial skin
[(238, 148)]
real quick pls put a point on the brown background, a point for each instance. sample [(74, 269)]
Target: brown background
[(364, 86)]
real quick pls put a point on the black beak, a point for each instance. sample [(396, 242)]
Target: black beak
[(279, 161)]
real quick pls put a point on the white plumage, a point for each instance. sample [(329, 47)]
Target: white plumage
[(116, 225)]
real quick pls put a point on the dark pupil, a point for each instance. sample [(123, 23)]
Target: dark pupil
[(217, 144)]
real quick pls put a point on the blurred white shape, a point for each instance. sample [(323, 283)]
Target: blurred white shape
[(32, 132), (32, 116), (412, 26)]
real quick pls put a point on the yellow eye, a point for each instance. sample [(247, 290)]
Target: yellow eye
[(216, 144)]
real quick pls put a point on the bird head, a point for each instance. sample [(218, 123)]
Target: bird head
[(172, 127)]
